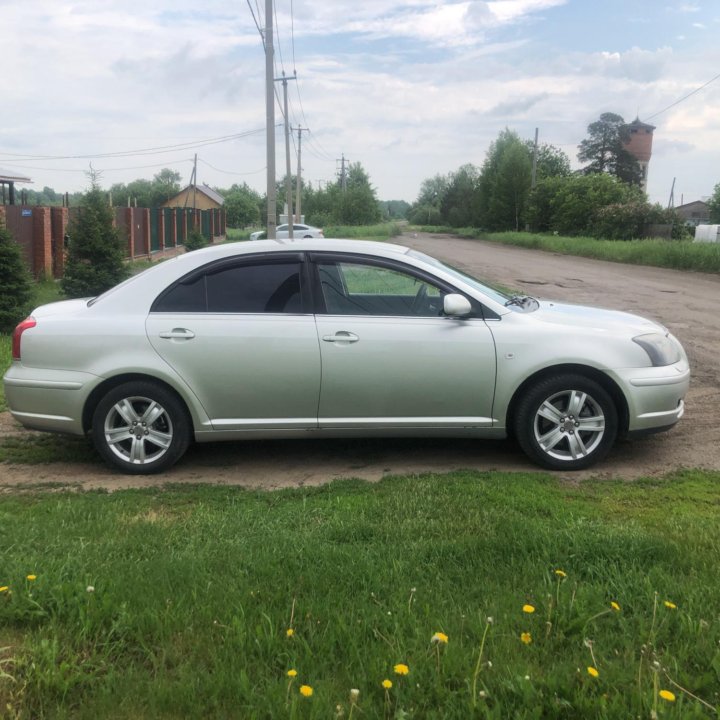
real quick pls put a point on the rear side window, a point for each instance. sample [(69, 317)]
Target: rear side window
[(247, 288)]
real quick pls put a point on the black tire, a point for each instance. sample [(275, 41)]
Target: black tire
[(566, 422), (140, 428)]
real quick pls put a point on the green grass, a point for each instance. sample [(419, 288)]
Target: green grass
[(382, 231), (195, 588), (679, 255)]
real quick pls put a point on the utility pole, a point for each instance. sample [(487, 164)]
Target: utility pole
[(298, 213), (671, 201), (270, 121), (195, 183), (288, 169), (343, 176)]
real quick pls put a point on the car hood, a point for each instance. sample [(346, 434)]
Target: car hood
[(591, 318)]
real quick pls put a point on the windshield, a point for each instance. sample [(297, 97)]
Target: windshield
[(492, 293)]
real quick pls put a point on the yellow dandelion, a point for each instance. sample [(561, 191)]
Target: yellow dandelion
[(667, 695), (528, 609), (387, 684), (526, 637), (561, 573), (32, 577), (593, 671), (439, 637), (401, 669), (306, 691), (615, 606), (289, 632), (292, 673), (670, 605), (4, 588)]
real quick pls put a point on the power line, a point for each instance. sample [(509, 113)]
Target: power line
[(257, 25), (685, 97), (231, 172), (120, 169), (142, 151)]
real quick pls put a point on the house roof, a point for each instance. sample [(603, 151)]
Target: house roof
[(693, 204), (637, 123), (10, 176), (216, 197)]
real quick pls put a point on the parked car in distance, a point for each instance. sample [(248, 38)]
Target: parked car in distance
[(337, 338), (282, 232)]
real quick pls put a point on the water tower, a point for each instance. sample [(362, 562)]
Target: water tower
[(638, 142)]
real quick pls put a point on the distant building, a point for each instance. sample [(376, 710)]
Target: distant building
[(639, 145), (8, 178), (200, 197), (694, 213)]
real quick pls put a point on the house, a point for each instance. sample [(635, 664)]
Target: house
[(199, 197), (694, 213), (10, 178)]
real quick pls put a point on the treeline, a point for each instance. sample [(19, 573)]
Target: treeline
[(603, 200)]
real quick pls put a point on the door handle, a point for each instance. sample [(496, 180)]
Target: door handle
[(177, 334), (341, 336)]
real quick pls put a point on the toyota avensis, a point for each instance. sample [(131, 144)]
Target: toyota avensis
[(337, 338)]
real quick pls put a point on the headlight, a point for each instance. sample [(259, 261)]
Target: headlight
[(660, 348)]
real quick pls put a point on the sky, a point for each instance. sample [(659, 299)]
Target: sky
[(408, 88)]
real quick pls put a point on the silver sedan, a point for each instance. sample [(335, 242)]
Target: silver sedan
[(337, 338)]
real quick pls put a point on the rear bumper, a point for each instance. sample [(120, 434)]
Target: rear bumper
[(49, 400)]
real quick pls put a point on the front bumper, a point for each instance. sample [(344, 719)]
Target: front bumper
[(655, 396)]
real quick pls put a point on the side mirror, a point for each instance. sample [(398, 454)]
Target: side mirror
[(455, 305)]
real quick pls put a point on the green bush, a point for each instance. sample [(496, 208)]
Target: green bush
[(195, 240), (96, 260), (15, 283)]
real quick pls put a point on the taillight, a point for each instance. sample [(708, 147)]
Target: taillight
[(26, 324)]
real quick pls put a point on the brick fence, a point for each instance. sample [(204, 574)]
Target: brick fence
[(41, 232)]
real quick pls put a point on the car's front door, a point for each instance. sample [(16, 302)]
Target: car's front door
[(389, 356), (242, 336)]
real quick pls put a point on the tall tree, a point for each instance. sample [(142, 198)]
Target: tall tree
[(15, 283), (95, 255), (714, 205), (604, 151)]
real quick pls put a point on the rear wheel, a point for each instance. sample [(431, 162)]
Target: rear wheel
[(566, 422), (140, 428)]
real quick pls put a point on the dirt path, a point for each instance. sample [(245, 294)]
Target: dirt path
[(687, 303)]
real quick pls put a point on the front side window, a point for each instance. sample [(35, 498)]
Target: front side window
[(248, 288), (356, 288)]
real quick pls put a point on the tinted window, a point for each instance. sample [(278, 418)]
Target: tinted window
[(261, 288), (351, 288)]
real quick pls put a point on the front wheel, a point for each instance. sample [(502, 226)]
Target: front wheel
[(566, 422), (140, 428)]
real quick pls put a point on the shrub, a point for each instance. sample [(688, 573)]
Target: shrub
[(15, 283), (195, 240), (96, 259)]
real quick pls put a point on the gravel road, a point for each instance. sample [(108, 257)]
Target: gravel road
[(687, 303)]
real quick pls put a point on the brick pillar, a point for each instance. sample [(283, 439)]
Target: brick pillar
[(42, 242), (59, 223), (146, 233), (161, 227), (197, 220), (212, 225), (3, 223), (130, 225), (174, 227), (184, 228)]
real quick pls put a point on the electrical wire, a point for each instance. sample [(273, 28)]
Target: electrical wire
[(257, 25), (684, 97), (230, 172), (134, 167), (159, 150)]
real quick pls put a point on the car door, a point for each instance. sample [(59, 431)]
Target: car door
[(390, 358), (242, 335)]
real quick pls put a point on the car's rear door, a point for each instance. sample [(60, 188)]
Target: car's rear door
[(242, 335)]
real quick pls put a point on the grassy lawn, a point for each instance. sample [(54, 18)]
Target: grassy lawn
[(680, 255), (198, 601)]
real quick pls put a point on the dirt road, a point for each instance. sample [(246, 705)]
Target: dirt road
[(687, 303)]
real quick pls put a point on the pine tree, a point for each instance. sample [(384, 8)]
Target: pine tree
[(16, 290), (95, 257)]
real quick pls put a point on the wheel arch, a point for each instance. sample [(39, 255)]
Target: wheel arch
[(104, 387), (607, 383)]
